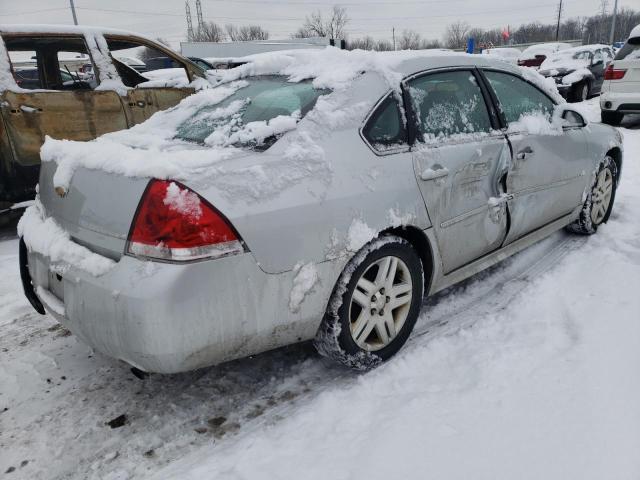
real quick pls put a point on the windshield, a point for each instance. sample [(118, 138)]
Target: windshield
[(254, 116)]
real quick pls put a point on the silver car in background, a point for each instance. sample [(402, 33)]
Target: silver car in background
[(332, 228)]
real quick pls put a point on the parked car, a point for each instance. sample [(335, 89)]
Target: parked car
[(621, 87), (510, 55), (40, 97), (298, 204), (534, 55), (579, 71)]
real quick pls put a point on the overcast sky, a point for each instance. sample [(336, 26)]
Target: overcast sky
[(166, 18)]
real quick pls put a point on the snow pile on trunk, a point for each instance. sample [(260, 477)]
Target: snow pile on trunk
[(306, 277), (43, 235)]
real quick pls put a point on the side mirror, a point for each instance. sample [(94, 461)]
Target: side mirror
[(572, 119), (597, 61)]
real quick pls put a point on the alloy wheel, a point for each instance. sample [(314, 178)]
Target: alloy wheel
[(601, 196), (380, 303)]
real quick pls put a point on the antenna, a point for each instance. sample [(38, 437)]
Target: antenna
[(189, 22), (199, 14)]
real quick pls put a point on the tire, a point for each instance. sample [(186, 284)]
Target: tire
[(580, 92), (356, 329), (599, 203), (611, 118)]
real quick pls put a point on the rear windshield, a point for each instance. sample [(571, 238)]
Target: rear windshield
[(253, 117), (630, 51)]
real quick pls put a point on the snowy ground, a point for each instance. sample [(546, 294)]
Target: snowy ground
[(529, 370)]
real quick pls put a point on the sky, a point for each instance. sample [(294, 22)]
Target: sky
[(166, 18)]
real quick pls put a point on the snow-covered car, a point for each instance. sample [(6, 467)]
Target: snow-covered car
[(510, 55), (579, 71), (534, 55), (48, 86), (621, 87), (310, 195)]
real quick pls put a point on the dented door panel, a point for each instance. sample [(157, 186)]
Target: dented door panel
[(462, 187)]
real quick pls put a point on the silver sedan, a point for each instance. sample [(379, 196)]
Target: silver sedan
[(328, 213)]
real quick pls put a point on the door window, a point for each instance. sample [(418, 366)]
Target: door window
[(51, 63), (138, 62), (449, 103), (518, 97), (385, 128)]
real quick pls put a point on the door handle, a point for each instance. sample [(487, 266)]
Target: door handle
[(138, 103), (29, 109), (524, 153), (431, 174)]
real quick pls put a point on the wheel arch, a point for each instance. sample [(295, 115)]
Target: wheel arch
[(616, 154), (419, 241)]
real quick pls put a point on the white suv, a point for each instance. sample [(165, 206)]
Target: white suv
[(621, 87)]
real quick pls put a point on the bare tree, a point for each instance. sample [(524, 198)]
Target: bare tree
[(365, 43), (316, 25), (427, 44), (209, 32), (245, 33), (456, 34), (409, 40)]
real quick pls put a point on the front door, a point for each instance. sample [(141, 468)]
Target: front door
[(459, 161), (549, 164)]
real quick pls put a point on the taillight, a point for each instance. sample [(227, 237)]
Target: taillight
[(174, 223), (613, 74)]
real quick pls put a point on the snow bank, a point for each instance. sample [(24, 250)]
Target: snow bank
[(305, 278), (43, 235)]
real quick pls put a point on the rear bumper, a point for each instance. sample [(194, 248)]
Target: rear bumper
[(170, 318), (620, 102)]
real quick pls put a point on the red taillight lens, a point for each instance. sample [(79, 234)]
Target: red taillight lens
[(613, 74), (174, 223)]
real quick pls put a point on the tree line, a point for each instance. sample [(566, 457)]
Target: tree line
[(589, 29)]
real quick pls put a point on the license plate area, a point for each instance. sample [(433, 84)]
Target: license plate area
[(56, 285)]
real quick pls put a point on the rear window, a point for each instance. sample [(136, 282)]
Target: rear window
[(253, 117), (630, 51)]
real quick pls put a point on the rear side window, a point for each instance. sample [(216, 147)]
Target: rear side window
[(518, 97), (630, 51), (385, 128), (448, 104)]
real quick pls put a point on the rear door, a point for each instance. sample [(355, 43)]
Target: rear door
[(56, 107), (459, 160), (548, 169), (599, 63)]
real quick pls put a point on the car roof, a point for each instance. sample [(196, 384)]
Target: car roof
[(61, 29)]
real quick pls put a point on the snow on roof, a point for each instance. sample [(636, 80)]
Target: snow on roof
[(530, 53), (635, 33), (61, 29)]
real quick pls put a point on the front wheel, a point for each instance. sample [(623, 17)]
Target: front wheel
[(374, 305), (599, 202)]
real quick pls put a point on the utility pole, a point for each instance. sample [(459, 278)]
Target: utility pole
[(613, 23), (199, 14), (189, 21), (393, 33), (73, 12), (558, 25)]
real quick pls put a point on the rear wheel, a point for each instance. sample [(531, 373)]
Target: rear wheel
[(611, 118), (374, 305), (599, 202)]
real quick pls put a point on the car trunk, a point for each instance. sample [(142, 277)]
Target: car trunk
[(630, 83), (97, 210)]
